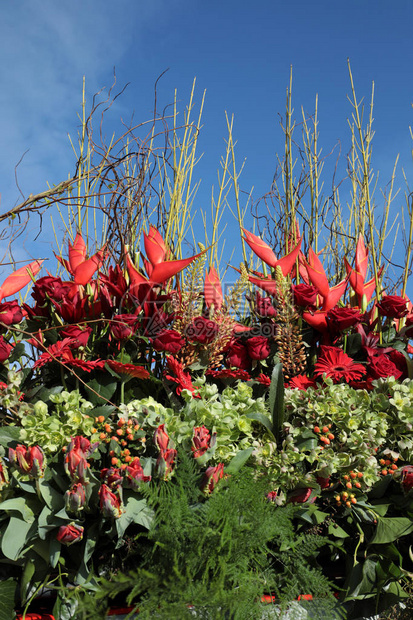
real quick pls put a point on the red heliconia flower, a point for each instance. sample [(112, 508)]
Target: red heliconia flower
[(338, 365), (358, 275), (18, 279), (213, 290), (69, 534), (161, 437), (182, 378), (301, 382), (134, 474), (78, 265), (110, 503), (30, 461), (139, 372), (318, 277), (265, 253), (200, 441), (317, 320), (211, 478), (160, 270)]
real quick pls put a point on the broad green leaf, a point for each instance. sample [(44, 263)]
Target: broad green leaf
[(260, 417), (52, 498), (28, 572), (18, 504), (15, 537), (337, 531), (276, 399), (390, 529), (103, 388), (8, 434), (238, 461), (7, 590)]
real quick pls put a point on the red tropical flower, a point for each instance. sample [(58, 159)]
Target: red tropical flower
[(200, 441), (211, 478), (265, 253), (301, 382), (213, 290), (18, 279), (68, 534), (78, 265), (233, 373), (338, 365)]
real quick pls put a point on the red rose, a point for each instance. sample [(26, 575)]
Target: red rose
[(69, 534), (168, 340), (264, 306), (400, 362), (202, 330), (10, 313), (343, 318), (258, 347), (237, 355), (78, 335), (382, 366), (304, 295), (407, 478), (393, 306), (5, 350), (123, 326), (50, 288)]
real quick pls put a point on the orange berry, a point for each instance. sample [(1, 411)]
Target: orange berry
[(101, 419), (325, 429), (393, 467), (325, 440), (102, 436), (123, 443), (357, 485), (317, 429), (344, 495), (119, 432), (330, 436), (387, 462), (123, 466), (330, 425), (346, 477), (121, 422), (136, 427), (114, 460), (128, 459), (348, 504), (384, 472), (353, 500), (337, 498), (359, 474), (129, 422), (126, 452), (112, 453), (93, 430), (349, 485), (353, 474), (107, 428), (129, 437), (382, 462), (114, 438)]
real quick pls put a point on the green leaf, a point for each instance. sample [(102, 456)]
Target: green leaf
[(263, 419), (8, 434), (52, 498), (18, 504), (276, 400), (15, 537), (337, 531), (238, 461), (18, 351), (390, 529), (7, 591), (136, 511), (103, 388)]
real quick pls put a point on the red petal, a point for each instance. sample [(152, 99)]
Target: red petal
[(168, 269), (334, 295), (77, 253), (267, 284), (316, 320), (261, 249), (154, 246), (86, 269), (18, 279), (356, 279), (362, 255), (213, 290), (287, 262), (316, 273), (135, 276)]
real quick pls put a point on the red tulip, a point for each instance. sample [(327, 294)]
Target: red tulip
[(165, 463), (110, 503), (161, 437), (18, 279), (134, 474), (69, 534), (75, 498), (212, 477), (29, 460)]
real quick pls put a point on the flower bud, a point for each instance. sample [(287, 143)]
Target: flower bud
[(69, 534)]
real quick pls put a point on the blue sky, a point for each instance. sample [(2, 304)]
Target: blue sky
[(239, 52)]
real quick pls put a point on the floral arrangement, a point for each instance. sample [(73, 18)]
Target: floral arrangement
[(132, 378)]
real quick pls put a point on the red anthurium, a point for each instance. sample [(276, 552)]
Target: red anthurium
[(78, 265), (18, 279), (213, 290), (265, 253)]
